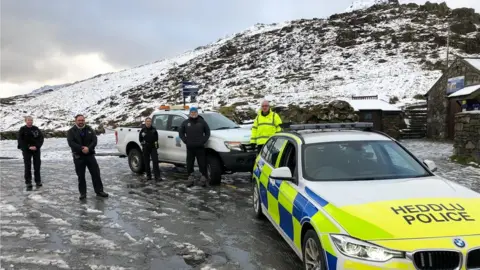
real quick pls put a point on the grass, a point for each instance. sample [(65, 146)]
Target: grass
[(470, 161)]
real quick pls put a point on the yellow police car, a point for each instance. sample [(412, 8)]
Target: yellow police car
[(346, 197)]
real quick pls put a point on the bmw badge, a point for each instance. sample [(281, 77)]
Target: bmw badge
[(459, 242)]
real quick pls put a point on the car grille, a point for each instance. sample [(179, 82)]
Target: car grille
[(437, 260), (249, 147), (473, 259)]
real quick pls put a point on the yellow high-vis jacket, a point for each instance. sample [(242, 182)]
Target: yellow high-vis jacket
[(264, 127)]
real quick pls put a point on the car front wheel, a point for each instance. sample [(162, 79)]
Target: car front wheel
[(257, 205), (313, 254)]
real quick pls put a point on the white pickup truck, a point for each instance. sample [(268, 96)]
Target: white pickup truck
[(228, 149)]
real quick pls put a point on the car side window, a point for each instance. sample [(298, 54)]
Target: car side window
[(176, 122), (160, 121), (275, 150), (266, 154), (288, 158)]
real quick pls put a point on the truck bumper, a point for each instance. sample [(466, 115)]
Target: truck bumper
[(238, 161)]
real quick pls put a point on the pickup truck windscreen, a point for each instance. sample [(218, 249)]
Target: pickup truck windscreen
[(217, 121)]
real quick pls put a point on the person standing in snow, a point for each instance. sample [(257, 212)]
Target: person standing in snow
[(195, 132), (82, 140), (148, 137), (266, 124), (30, 140)]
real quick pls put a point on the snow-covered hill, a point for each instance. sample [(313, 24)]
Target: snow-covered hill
[(393, 50)]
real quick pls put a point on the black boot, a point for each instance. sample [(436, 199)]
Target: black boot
[(102, 194), (82, 196)]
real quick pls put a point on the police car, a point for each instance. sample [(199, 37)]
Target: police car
[(344, 196)]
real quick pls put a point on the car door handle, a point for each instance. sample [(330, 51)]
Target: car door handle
[(171, 137)]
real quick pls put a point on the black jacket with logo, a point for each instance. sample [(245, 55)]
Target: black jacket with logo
[(194, 132), (78, 137), (148, 137), (29, 136)]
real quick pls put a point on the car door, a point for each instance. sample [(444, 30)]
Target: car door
[(287, 193), (160, 122), (175, 148)]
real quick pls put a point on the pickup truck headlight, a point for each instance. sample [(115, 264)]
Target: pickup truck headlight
[(235, 146), (355, 248)]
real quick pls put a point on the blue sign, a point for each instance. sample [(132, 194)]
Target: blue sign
[(189, 89), (455, 84)]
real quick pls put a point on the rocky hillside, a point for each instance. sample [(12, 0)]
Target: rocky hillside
[(388, 49)]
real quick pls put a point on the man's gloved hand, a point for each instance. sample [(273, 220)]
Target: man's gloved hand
[(156, 145)]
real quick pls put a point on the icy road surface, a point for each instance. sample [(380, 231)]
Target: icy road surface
[(146, 225)]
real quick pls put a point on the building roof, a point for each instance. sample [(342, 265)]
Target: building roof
[(465, 91), (372, 105), (474, 62)]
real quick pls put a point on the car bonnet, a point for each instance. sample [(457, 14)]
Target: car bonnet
[(399, 209)]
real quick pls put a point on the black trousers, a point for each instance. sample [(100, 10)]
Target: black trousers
[(27, 161), (90, 162), (200, 154), (151, 153)]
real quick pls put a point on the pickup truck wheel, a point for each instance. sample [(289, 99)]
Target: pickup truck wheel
[(135, 161), (214, 170)]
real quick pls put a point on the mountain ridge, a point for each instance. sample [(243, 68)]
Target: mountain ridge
[(394, 50)]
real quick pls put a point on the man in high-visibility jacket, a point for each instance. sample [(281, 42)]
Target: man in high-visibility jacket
[(266, 124)]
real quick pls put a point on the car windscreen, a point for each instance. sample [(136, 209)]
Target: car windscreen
[(359, 160), (217, 121)]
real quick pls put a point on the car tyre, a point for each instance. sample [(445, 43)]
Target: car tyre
[(313, 253), (135, 161), (214, 170), (257, 204)]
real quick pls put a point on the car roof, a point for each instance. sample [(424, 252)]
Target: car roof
[(178, 112), (311, 137)]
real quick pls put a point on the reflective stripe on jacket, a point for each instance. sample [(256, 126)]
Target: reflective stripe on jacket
[(264, 127)]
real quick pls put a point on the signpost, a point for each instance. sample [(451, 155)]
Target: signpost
[(455, 84), (189, 89)]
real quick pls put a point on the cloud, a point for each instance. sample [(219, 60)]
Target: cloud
[(42, 41), (75, 67)]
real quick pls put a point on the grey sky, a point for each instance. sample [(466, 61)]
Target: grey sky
[(129, 32)]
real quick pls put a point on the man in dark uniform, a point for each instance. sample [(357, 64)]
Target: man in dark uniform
[(30, 140), (83, 140), (148, 138), (195, 132)]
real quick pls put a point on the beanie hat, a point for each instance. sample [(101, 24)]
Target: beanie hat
[(193, 109)]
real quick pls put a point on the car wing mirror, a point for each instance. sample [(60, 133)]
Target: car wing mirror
[(174, 128), (281, 174), (430, 165)]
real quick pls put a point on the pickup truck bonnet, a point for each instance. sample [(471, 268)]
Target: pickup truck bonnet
[(234, 134)]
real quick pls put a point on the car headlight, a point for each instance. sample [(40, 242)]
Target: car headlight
[(355, 248), (236, 146)]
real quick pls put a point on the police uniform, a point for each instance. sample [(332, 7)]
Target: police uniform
[(148, 138), (28, 137), (264, 126)]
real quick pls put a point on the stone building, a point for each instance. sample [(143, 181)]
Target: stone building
[(385, 117), (441, 110)]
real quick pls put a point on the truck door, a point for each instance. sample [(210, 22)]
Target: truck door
[(176, 149), (160, 122)]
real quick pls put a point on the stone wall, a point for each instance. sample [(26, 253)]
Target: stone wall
[(392, 123), (437, 101), (467, 135)]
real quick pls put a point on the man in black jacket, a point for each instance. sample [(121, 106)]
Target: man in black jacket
[(148, 137), (195, 132), (83, 140), (30, 140)]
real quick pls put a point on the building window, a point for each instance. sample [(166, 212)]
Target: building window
[(367, 116)]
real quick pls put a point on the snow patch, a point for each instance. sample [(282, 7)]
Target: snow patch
[(208, 238), (156, 214), (162, 230), (44, 260), (80, 238), (59, 221)]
